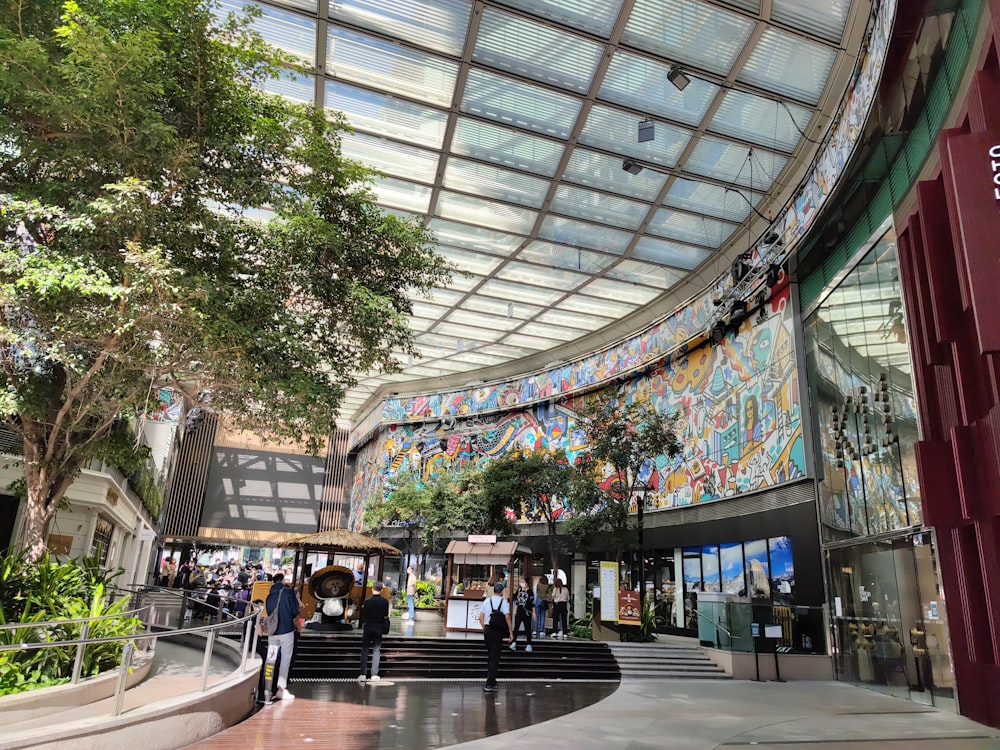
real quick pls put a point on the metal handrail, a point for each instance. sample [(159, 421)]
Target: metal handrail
[(248, 639), (718, 625), (46, 623)]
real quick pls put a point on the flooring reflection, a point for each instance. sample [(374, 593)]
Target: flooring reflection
[(422, 715)]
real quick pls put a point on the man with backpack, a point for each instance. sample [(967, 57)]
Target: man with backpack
[(281, 601), (494, 616)]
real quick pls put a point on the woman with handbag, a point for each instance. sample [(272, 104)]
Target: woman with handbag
[(375, 616)]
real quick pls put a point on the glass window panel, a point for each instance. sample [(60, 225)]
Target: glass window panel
[(468, 332), (479, 359), (290, 32), (387, 116), (605, 287), (506, 147), (714, 200), (437, 24), (535, 343), (710, 574), (507, 290), (493, 182), (293, 86), (563, 256), (601, 207), (731, 569), (447, 297), (753, 6), (550, 331), (689, 228), (612, 308), (616, 131), (393, 158), (573, 320), (645, 273), (303, 4), (570, 232), (824, 18), (697, 33), (759, 120), (733, 163), (445, 343), (517, 309), (554, 278), (382, 65), (789, 65), (468, 318), (506, 350), (465, 283), (483, 239), (470, 262), (533, 50), (426, 310), (401, 194), (419, 324), (692, 571), (519, 104), (595, 16), (484, 212), (432, 352), (670, 253), (605, 173), (641, 84)]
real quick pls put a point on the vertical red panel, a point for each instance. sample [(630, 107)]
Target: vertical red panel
[(939, 258)]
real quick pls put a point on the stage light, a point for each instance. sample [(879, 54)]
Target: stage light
[(676, 76), (647, 131), (632, 167)]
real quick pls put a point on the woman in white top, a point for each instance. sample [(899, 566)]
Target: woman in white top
[(560, 609)]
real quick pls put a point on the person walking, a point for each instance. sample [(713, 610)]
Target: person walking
[(411, 591), (543, 593), (523, 604), (560, 609), (287, 603), (375, 619), (170, 573), (494, 616)]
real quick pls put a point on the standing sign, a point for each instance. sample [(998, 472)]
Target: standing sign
[(629, 608), (609, 591)]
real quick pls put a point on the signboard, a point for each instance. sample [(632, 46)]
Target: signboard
[(772, 631), (609, 591), (629, 608), (482, 539)]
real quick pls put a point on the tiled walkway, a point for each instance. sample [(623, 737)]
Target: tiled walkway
[(639, 715)]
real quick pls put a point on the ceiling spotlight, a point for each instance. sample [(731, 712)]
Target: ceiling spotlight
[(632, 167), (737, 312), (676, 76), (647, 131), (772, 238)]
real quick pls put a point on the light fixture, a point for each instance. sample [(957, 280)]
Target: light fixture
[(773, 275), (737, 312), (718, 333), (676, 76), (647, 131), (632, 167)]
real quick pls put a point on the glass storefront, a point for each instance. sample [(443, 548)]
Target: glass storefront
[(887, 610)]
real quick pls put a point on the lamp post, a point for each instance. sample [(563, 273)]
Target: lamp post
[(640, 492)]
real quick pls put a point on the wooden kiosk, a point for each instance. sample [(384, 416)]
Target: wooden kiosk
[(473, 567), (323, 583)]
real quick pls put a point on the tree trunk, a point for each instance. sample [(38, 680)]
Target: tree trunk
[(553, 546), (44, 491)]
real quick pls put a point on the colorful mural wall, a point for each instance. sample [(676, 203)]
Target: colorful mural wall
[(741, 423)]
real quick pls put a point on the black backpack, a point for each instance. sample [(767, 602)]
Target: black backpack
[(497, 619)]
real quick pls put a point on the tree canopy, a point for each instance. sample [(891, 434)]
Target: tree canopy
[(166, 221), (624, 442)]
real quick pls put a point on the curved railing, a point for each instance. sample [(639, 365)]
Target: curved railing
[(210, 632)]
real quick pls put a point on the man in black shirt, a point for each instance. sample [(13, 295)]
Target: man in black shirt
[(375, 616)]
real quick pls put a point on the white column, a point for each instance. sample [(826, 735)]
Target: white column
[(678, 587)]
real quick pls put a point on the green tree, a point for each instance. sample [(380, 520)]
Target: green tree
[(532, 480), (165, 221), (624, 440), (474, 511), (417, 506)]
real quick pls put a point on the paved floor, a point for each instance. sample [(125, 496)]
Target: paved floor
[(639, 715)]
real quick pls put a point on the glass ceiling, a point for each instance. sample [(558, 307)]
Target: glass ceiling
[(505, 124)]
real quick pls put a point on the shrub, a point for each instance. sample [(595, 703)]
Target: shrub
[(49, 590), (426, 594)]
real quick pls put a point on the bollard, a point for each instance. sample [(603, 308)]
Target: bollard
[(81, 647), (123, 677)]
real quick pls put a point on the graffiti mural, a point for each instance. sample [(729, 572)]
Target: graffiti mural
[(740, 423)]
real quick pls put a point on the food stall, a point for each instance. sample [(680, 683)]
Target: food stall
[(472, 567)]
